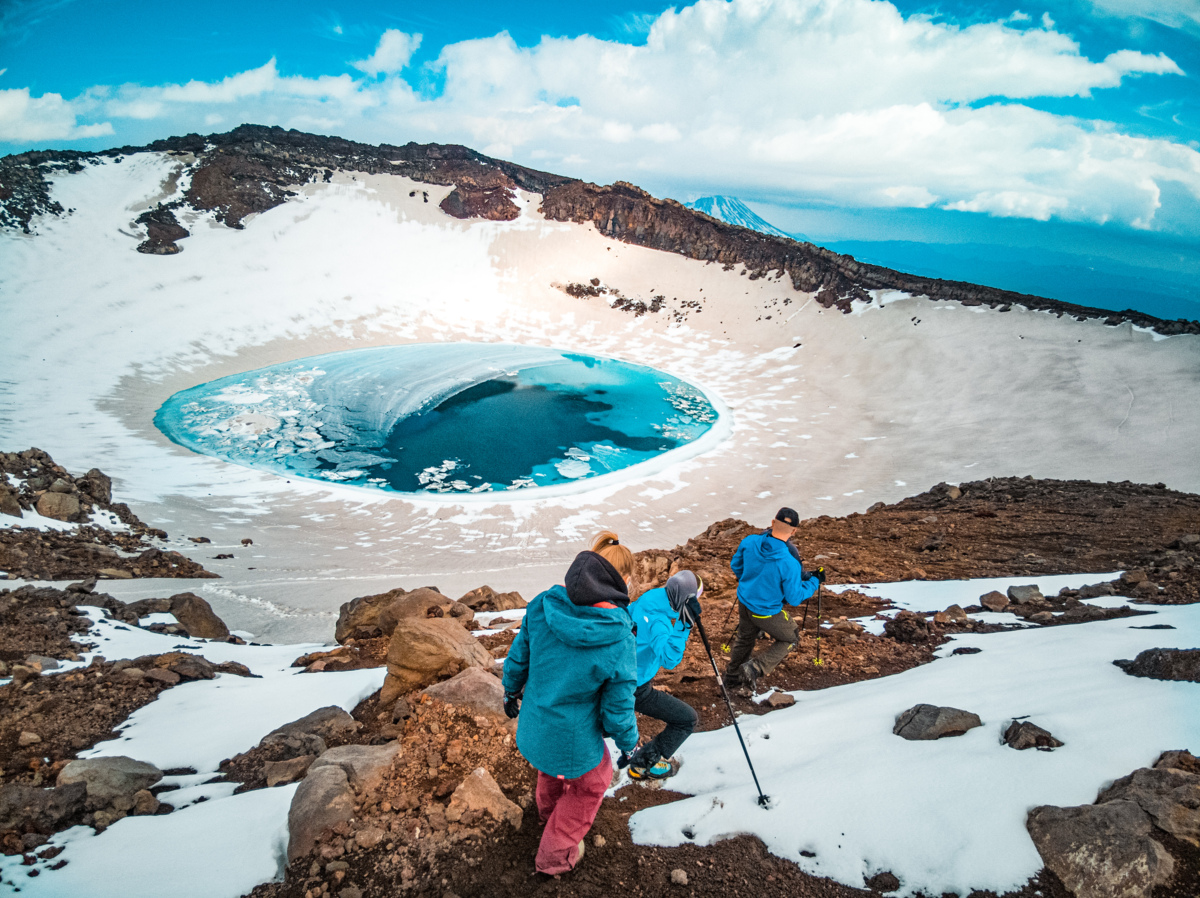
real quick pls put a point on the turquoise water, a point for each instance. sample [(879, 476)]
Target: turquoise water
[(441, 418)]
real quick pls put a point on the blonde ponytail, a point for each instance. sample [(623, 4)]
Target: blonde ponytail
[(608, 547)]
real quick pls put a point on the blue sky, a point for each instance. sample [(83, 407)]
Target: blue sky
[(1069, 127)]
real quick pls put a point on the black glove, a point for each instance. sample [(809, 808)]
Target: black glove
[(820, 575), (512, 704), (623, 761), (646, 756), (691, 611)]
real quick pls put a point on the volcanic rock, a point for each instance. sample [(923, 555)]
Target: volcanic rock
[(954, 614), (1164, 664), (1022, 595), (931, 722), (994, 601), (8, 501), (144, 803), (425, 650), (24, 806), (197, 617), (1170, 796), (479, 792), (473, 688), (59, 506), (371, 616), (364, 764), (324, 723), (487, 599), (909, 627), (109, 780), (322, 801), (1101, 850), (1023, 734), (279, 772), (781, 700)]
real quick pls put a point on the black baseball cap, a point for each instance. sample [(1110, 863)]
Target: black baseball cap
[(788, 516)]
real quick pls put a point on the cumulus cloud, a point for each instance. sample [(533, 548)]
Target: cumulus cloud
[(392, 54), (844, 101), (25, 118)]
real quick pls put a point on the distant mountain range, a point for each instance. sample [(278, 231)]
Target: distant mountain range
[(731, 210)]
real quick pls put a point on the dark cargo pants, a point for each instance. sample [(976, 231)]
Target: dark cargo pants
[(780, 627), (678, 715)]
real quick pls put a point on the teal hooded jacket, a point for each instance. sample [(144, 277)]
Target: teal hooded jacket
[(575, 659)]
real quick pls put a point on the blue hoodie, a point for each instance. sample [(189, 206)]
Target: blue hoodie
[(769, 574), (661, 635), (576, 663)]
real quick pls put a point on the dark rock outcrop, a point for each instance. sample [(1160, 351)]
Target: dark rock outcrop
[(1022, 734), (923, 722), (1164, 664)]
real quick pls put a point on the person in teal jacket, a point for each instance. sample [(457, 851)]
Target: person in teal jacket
[(664, 619), (570, 676)]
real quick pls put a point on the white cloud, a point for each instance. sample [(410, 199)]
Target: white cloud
[(393, 53), (25, 118), (1173, 13), (845, 101)]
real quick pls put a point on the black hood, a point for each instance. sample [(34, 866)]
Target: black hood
[(591, 580)]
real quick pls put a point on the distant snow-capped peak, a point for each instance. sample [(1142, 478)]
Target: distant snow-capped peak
[(733, 211)]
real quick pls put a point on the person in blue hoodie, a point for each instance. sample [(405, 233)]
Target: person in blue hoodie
[(664, 619), (570, 676), (769, 574)]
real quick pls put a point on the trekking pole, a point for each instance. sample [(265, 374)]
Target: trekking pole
[(817, 661), (763, 800), (725, 623)]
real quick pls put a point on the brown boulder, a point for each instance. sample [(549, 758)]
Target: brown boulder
[(994, 600), (197, 617), (59, 506), (322, 801), (420, 603), (479, 792), (1101, 850), (371, 616), (424, 650), (487, 599), (474, 689), (1170, 796), (8, 502)]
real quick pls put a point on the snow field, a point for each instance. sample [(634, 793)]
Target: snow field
[(947, 815), (829, 412), (215, 844)]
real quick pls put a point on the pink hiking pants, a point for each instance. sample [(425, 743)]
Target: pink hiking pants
[(568, 808)]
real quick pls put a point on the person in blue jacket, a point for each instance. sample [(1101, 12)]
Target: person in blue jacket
[(769, 574), (570, 676), (664, 619)]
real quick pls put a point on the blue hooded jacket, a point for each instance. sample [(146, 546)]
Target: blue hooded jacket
[(661, 635), (769, 575), (576, 663)]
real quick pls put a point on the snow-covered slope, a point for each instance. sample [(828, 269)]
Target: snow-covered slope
[(732, 210), (828, 412), (849, 799)]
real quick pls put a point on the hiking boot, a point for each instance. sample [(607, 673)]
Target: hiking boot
[(659, 770), (750, 674)]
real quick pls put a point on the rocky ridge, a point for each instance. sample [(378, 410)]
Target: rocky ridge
[(254, 168), (118, 546)]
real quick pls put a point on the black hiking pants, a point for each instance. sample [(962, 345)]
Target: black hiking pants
[(678, 715), (780, 627)]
